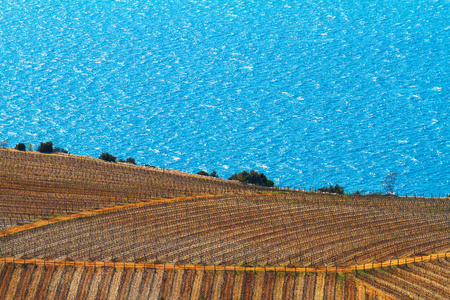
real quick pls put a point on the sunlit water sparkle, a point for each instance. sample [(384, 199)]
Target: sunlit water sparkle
[(309, 92)]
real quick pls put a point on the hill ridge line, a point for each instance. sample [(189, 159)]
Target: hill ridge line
[(131, 265), (104, 210)]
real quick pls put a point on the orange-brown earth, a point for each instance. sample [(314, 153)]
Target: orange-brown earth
[(254, 245), (35, 185), (407, 282)]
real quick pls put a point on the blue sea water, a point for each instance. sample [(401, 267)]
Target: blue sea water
[(309, 92)]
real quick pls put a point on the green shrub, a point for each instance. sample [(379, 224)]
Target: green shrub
[(46, 147), (252, 177), (131, 160), (107, 157), (59, 150), (332, 189), (20, 147), (212, 174)]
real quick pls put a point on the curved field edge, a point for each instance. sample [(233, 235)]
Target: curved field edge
[(222, 231), (216, 268), (30, 281), (105, 210), (36, 186)]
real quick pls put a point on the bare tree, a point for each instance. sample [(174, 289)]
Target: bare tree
[(389, 183)]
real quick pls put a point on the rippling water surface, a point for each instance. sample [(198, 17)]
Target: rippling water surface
[(309, 92)]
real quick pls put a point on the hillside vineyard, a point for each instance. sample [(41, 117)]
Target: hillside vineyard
[(35, 185), (132, 232)]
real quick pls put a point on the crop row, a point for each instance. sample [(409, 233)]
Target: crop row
[(34, 185), (416, 281), (260, 230), (28, 281)]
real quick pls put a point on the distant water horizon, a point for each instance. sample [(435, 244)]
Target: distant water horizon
[(309, 93)]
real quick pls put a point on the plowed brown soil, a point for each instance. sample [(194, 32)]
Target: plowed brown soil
[(288, 289), (2, 269), (55, 282), (279, 283), (135, 284), (258, 286), (310, 284), (65, 283), (227, 288), (350, 288), (155, 290), (75, 283), (207, 285), (320, 286), (269, 282), (248, 285), (176, 285), (25, 281), (95, 283), (238, 285), (197, 285), (115, 284), (43, 284), (299, 286), (5, 278), (330, 284), (187, 284), (146, 284), (125, 284), (166, 286), (14, 282), (340, 287), (85, 284), (217, 286), (103, 288), (34, 283), (392, 291)]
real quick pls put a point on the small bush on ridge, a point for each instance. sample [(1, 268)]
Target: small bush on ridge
[(212, 174), (131, 160), (20, 147), (253, 177), (107, 157), (332, 189), (46, 147), (59, 150)]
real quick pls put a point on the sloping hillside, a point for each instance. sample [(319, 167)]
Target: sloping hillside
[(293, 244), (272, 229), (35, 185), (415, 281)]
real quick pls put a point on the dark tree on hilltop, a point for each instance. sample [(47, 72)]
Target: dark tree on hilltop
[(253, 177), (212, 174), (131, 160), (333, 189), (107, 157), (45, 147), (59, 150), (21, 147)]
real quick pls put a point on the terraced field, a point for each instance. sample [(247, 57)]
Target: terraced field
[(418, 281), (293, 244), (256, 230), (35, 185)]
